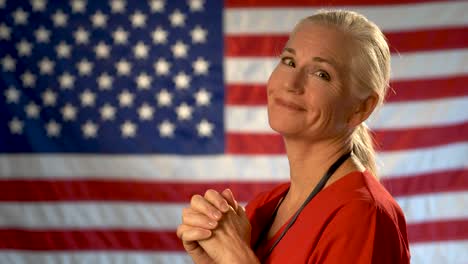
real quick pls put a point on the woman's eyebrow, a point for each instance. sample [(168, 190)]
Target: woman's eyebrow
[(290, 50), (327, 61)]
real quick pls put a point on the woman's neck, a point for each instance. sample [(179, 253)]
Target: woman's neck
[(309, 162)]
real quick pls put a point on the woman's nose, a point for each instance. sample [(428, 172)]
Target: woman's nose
[(296, 81)]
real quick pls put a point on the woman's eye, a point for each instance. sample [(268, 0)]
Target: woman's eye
[(323, 74), (288, 61)]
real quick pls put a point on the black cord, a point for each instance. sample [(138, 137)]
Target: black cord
[(314, 192)]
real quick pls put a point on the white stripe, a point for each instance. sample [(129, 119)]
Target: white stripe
[(423, 160), (212, 168), (427, 113), (162, 216), (387, 17), (433, 207), (101, 257), (453, 252), (256, 70)]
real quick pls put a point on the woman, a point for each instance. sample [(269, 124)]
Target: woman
[(332, 74)]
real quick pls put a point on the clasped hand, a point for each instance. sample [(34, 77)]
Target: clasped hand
[(215, 229)]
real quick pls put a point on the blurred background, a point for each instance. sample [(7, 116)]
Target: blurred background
[(113, 113)]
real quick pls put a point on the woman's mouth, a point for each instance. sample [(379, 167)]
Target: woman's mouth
[(289, 105)]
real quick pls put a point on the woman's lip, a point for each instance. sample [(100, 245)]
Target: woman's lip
[(289, 105)]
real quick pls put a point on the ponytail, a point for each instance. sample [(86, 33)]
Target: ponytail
[(363, 148)]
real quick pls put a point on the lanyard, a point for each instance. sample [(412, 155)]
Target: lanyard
[(314, 192)]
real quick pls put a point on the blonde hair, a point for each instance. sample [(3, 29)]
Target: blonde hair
[(370, 69)]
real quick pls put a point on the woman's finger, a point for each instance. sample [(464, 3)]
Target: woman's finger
[(188, 233), (229, 196), (199, 204), (217, 200), (196, 219)]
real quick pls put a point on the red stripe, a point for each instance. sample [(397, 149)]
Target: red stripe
[(408, 41), (89, 239), (132, 191), (146, 240), (435, 182), (388, 140), (438, 231), (422, 89), (176, 192), (316, 3)]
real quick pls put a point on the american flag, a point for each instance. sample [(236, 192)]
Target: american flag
[(113, 113)]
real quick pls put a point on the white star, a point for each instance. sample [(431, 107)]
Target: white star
[(12, 95), (5, 32), (46, 66), (63, 50), (166, 129), (16, 126), (125, 99), (123, 67), (107, 112), (198, 34), (128, 129), (177, 18), (32, 110), (179, 49), (102, 50), (85, 67), (59, 18), (28, 79), (117, 6), (138, 19), (68, 112), (202, 97), (99, 20), (87, 98), (89, 129), (164, 98), (66, 81), (200, 66), (105, 81), (24, 48), (196, 5), (42, 35), (53, 128), (141, 50), (20, 17), (81, 36), (159, 35), (49, 98), (162, 67), (78, 6), (205, 128), (182, 80), (157, 6), (38, 5), (145, 112), (143, 81), (8, 63), (120, 36), (184, 111)]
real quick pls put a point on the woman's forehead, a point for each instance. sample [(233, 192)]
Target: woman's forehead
[(314, 40)]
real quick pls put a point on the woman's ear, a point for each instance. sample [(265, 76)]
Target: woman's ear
[(363, 110)]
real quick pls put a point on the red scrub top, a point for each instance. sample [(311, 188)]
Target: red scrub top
[(353, 220)]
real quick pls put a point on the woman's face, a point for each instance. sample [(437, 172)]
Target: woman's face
[(308, 92)]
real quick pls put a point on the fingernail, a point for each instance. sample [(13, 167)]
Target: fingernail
[(211, 223), (224, 207), (217, 215)]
